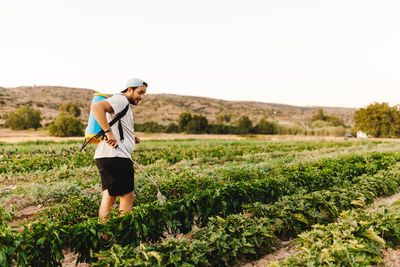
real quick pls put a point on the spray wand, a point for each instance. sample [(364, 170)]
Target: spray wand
[(160, 197)]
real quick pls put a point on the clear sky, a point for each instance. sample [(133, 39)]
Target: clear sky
[(310, 52)]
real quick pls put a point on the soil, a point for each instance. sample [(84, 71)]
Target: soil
[(286, 249), (24, 215), (70, 260), (390, 256), (11, 136)]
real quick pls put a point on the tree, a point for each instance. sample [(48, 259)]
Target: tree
[(150, 127), (223, 118), (320, 116), (66, 125), (23, 118), (332, 120), (378, 120), (184, 120), (172, 128), (266, 127), (221, 129), (335, 121), (198, 124), (70, 108), (245, 125)]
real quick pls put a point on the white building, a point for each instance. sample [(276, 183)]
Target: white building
[(361, 134)]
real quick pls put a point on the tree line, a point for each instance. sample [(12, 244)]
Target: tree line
[(66, 123), (376, 120), (198, 124)]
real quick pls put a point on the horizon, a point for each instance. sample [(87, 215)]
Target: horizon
[(272, 103)]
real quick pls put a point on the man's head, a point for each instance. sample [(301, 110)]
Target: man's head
[(135, 90)]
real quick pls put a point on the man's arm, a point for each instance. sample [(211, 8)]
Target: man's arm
[(99, 110)]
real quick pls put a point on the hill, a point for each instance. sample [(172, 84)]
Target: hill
[(161, 108)]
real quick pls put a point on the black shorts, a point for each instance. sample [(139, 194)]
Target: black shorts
[(117, 175)]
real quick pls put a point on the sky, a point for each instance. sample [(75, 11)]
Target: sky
[(343, 53)]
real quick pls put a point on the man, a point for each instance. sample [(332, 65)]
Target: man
[(113, 154)]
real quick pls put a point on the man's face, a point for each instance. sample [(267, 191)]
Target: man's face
[(135, 96)]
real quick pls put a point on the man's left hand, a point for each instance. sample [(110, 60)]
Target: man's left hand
[(137, 140)]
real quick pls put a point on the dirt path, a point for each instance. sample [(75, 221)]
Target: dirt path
[(70, 260), (286, 249), (11, 136), (384, 201), (390, 256)]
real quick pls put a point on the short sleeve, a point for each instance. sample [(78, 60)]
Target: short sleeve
[(118, 102)]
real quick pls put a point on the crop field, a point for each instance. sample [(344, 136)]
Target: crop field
[(229, 203)]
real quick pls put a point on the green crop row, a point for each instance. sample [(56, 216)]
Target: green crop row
[(21, 159), (293, 214), (221, 243), (40, 163), (222, 198), (148, 223), (241, 178), (4, 217), (357, 239), (224, 246), (227, 198), (312, 176)]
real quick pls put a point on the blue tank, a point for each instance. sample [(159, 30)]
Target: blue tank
[(93, 126)]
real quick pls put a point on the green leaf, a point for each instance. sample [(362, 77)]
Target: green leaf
[(358, 203), (372, 235), (3, 259), (93, 231), (155, 255), (41, 241), (300, 217)]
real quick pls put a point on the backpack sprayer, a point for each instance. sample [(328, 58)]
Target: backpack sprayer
[(94, 134)]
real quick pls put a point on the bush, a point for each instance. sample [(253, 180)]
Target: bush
[(245, 125), (320, 124), (66, 125), (198, 124), (221, 129), (70, 108), (266, 127), (331, 120), (149, 127), (172, 128), (23, 118), (184, 120)]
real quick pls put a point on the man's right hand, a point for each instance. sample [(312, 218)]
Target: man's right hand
[(111, 140)]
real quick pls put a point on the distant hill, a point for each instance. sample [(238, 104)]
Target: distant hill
[(161, 108)]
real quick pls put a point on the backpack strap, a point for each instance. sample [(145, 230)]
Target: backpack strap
[(118, 117), (111, 123)]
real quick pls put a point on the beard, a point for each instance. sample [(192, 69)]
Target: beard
[(132, 102)]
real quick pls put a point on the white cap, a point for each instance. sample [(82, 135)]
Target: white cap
[(135, 82)]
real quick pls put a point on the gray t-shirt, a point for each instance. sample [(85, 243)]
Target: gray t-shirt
[(118, 102)]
